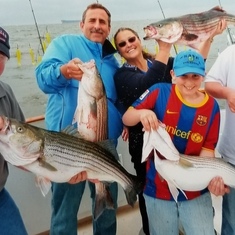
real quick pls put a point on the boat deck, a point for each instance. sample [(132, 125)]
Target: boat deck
[(129, 220)]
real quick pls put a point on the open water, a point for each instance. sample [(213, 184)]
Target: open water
[(21, 75)]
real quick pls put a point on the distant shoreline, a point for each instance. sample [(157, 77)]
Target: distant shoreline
[(69, 21)]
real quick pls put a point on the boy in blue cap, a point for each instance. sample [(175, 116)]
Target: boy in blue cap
[(192, 120)]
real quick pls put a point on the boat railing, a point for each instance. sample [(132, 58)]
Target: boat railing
[(35, 119)]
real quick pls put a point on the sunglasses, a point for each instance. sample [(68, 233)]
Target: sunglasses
[(130, 40)]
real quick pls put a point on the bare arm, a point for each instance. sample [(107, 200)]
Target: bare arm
[(204, 47), (164, 51), (216, 90), (147, 117)]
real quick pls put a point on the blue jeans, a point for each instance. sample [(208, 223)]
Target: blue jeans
[(11, 222), (66, 199), (228, 213), (195, 216)]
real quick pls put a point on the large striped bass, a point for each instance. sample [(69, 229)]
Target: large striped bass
[(190, 29), (91, 113), (91, 116), (58, 156), (189, 173)]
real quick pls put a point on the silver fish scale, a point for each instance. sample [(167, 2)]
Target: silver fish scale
[(76, 152), (213, 163), (205, 21)]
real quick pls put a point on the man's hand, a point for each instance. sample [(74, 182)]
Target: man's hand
[(71, 69)]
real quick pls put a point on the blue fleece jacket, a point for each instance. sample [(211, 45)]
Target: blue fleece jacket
[(62, 92)]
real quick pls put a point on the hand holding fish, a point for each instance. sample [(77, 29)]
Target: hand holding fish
[(164, 51), (217, 186), (148, 119), (220, 28), (71, 69)]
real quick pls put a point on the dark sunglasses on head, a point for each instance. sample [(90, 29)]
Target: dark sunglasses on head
[(130, 40)]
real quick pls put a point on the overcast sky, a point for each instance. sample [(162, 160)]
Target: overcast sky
[(17, 12)]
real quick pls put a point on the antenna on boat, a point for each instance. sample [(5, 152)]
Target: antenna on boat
[(165, 18), (230, 38), (35, 21)]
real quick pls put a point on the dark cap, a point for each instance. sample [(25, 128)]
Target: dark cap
[(4, 42)]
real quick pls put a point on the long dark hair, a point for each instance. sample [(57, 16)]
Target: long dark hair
[(146, 55)]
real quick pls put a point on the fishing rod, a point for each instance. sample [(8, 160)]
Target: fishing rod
[(165, 18), (228, 30), (35, 21)]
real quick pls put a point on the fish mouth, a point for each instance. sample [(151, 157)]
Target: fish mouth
[(6, 125), (150, 32)]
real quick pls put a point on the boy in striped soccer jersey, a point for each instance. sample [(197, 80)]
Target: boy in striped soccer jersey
[(192, 119)]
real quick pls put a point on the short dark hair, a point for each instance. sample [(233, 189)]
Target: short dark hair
[(96, 6)]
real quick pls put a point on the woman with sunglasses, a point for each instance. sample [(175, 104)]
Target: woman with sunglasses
[(140, 71)]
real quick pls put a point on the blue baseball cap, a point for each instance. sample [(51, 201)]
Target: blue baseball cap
[(189, 61)]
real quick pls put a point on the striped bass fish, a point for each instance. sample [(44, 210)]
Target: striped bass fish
[(188, 29), (58, 156), (189, 173), (91, 113), (91, 116)]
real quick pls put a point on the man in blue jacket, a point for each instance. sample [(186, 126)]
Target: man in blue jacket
[(58, 76)]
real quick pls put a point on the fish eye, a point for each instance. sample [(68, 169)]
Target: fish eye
[(20, 129), (160, 25)]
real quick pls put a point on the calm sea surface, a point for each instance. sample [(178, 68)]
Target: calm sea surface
[(26, 39)]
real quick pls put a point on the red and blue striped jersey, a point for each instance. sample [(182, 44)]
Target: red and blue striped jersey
[(191, 127)]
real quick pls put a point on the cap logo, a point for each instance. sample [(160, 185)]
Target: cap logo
[(4, 36), (190, 58)]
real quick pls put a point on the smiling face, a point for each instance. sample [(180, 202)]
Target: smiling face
[(188, 85), (96, 25), (128, 44)]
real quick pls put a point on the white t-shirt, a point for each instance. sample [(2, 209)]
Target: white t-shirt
[(223, 71)]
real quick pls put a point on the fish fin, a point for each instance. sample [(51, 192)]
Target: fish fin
[(173, 189), (147, 146), (44, 184), (165, 137), (110, 145), (188, 37), (161, 141), (46, 165), (71, 130), (103, 199), (185, 163), (133, 189)]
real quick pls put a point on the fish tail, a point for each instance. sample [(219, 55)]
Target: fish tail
[(103, 199), (133, 189)]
